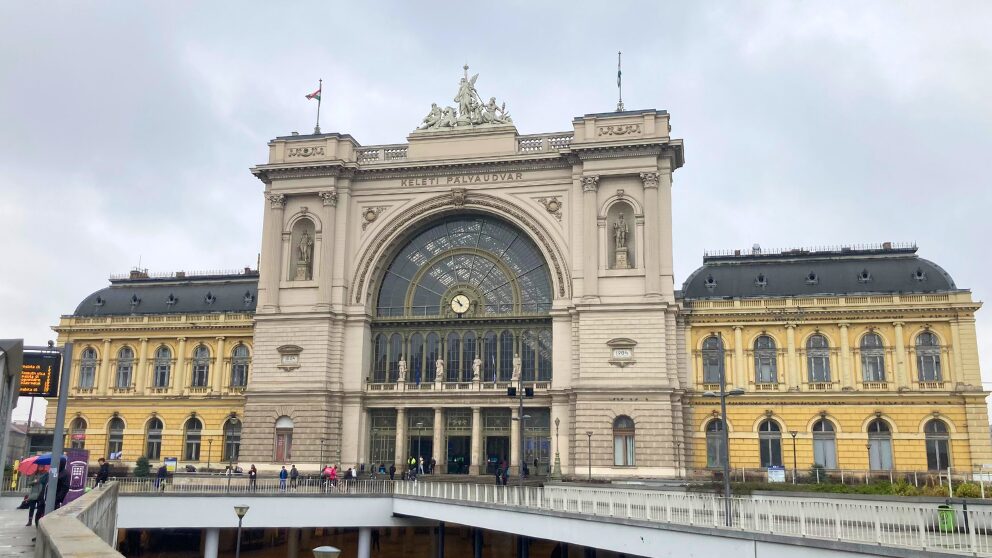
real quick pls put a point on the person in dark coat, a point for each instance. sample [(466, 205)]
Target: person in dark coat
[(103, 474), (62, 488), (392, 471), (160, 477)]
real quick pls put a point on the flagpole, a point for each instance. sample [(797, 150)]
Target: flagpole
[(320, 93), (619, 84)]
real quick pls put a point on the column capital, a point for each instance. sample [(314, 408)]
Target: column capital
[(790, 325), (650, 179), (590, 183), (180, 338), (330, 197), (221, 337), (106, 341), (276, 201), (898, 324), (843, 325), (143, 339), (738, 328)]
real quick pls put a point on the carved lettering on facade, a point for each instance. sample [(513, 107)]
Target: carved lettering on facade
[(305, 151), (461, 179), (618, 130)]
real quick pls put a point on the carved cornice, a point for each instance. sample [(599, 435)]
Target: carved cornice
[(617, 151), (459, 168), (590, 183), (650, 179), (329, 197), (276, 201), (308, 171)]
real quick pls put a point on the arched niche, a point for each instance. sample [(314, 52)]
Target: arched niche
[(621, 235), (302, 240)]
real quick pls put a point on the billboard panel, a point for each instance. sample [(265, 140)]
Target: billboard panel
[(40, 374)]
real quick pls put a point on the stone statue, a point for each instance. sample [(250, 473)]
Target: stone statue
[(439, 369), (620, 233), (448, 119), (432, 118), (466, 93), (471, 110), (476, 368), (306, 248), (494, 114), (517, 365), (401, 368)]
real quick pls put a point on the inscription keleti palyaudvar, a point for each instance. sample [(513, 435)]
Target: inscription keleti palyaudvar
[(462, 179)]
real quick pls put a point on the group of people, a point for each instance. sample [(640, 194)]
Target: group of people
[(38, 492)]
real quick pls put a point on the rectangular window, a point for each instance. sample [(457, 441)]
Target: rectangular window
[(880, 454), (929, 367), (123, 376), (824, 452), (938, 457), (239, 375), (161, 379), (153, 448), (819, 369), (873, 368), (200, 375), (765, 370), (86, 376), (715, 453), (192, 452), (712, 368), (771, 452)]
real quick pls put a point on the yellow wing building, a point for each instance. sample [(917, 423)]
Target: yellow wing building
[(866, 357)]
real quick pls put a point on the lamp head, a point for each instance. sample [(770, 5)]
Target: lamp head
[(710, 394), (794, 433), (241, 511), (736, 391), (326, 552)]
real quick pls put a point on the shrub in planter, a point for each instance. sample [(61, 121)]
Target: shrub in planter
[(142, 468), (968, 490)]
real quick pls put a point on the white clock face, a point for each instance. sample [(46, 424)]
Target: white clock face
[(459, 304)]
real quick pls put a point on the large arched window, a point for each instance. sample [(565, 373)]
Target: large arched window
[(623, 441), (544, 356), (818, 359), (115, 438), (489, 347), (824, 444), (528, 354), (153, 439), (770, 443), (192, 432), (77, 433), (716, 450), (765, 364), (712, 360), (395, 354), (284, 439), (433, 353), (379, 354), (201, 366), (232, 439), (468, 355), (879, 445), (928, 357), (239, 366), (416, 372), (872, 358), (506, 352), (938, 445), (163, 367), (125, 368), (87, 368), (454, 357)]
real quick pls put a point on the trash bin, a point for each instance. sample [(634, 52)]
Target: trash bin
[(945, 519)]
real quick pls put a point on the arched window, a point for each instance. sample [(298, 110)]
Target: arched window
[(163, 367), (284, 439), (239, 366), (201, 366), (192, 432), (489, 352), (770, 443), (879, 445), (712, 360), (623, 441), (153, 439), (818, 359), (77, 433), (454, 356), (716, 451), (416, 373), (469, 355), (232, 439), (824, 444), (125, 368), (433, 353), (528, 354), (872, 358), (544, 356), (765, 364), (379, 358), (506, 351), (938, 442), (928, 357), (395, 353), (87, 368), (115, 438)]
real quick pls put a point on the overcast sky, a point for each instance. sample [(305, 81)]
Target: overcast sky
[(127, 128)]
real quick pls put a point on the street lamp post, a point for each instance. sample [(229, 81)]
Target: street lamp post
[(523, 421), (320, 465), (374, 457), (230, 453), (241, 511), (556, 471), (589, 445), (210, 447), (795, 466), (723, 395), (420, 429)]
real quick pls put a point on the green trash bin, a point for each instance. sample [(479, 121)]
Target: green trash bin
[(945, 519)]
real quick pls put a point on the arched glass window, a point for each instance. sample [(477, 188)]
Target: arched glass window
[(454, 354), (872, 358), (489, 348), (284, 439), (879, 445), (163, 367), (201, 366), (716, 451), (506, 351), (77, 433), (192, 432), (928, 357), (938, 445), (544, 356), (395, 353), (416, 373), (818, 359), (239, 366), (125, 368), (232, 439), (765, 364), (469, 346), (770, 443), (712, 360), (379, 358), (87, 368), (623, 441), (528, 354), (433, 353), (153, 439), (115, 438), (824, 444)]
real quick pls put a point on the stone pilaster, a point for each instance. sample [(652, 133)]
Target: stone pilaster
[(514, 441), (217, 379), (179, 375), (477, 465), (740, 375), (590, 260), (652, 234), (437, 450), (329, 199), (901, 378), (272, 251), (846, 370), (104, 378), (401, 453), (141, 372), (791, 359)]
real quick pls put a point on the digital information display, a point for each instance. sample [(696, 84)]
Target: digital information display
[(40, 374)]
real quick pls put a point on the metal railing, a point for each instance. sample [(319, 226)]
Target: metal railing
[(240, 484), (943, 479), (911, 525)]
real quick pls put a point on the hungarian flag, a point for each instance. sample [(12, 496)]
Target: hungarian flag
[(314, 95), (618, 70)]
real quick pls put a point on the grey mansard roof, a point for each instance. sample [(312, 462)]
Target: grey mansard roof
[(173, 294), (841, 271)]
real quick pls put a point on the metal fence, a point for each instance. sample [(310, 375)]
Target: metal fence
[(238, 484), (818, 475)]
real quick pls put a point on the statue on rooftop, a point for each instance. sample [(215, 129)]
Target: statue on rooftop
[(471, 110)]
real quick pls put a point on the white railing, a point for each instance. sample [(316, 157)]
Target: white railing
[(240, 484), (542, 143), (914, 526)]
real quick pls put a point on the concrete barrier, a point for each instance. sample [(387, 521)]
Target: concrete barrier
[(85, 527)]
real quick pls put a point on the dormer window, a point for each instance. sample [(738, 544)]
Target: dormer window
[(864, 276), (920, 275), (99, 301), (249, 298), (812, 278), (171, 299), (210, 298), (135, 301), (761, 280), (710, 282)]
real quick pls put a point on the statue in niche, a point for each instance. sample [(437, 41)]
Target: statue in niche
[(401, 368), (517, 366), (476, 368), (304, 265), (620, 233), (439, 369)]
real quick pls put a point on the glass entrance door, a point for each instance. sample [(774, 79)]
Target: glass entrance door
[(459, 454), (497, 451), (422, 446)]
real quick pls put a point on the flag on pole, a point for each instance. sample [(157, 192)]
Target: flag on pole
[(618, 69), (315, 94)]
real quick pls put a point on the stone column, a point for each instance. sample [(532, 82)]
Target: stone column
[(104, 379), (211, 541), (792, 363), (652, 234), (293, 543), (401, 455), (142, 372), (514, 441), (364, 543), (846, 371), (590, 240), (477, 441), (326, 259), (956, 367), (339, 282), (272, 250), (901, 380), (740, 376), (438, 445), (217, 380), (179, 376)]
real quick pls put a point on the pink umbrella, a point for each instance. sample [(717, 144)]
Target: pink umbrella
[(30, 466)]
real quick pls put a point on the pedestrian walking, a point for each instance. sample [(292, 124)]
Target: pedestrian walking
[(433, 464), (62, 488), (294, 476), (160, 477), (35, 485), (252, 478), (42, 496), (103, 473), (420, 466), (392, 472), (334, 475), (283, 475)]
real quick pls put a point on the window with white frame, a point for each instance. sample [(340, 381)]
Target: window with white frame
[(928, 357), (818, 359), (872, 358), (125, 368), (623, 441), (87, 368), (765, 365)]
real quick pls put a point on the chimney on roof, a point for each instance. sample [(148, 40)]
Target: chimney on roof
[(886, 246), (137, 273), (180, 275), (737, 252), (247, 270)]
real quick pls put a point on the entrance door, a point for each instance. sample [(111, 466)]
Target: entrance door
[(425, 449), (497, 451), (459, 454)]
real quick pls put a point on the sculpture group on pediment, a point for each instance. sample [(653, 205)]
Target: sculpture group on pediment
[(471, 109)]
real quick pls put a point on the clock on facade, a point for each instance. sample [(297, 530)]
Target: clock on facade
[(459, 304)]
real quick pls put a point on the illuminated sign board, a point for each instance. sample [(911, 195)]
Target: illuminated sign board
[(40, 374)]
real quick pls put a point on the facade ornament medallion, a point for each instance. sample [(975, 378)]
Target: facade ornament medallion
[(370, 214), (552, 205), (276, 201), (458, 196), (306, 151), (618, 130), (329, 197), (590, 183), (471, 111), (650, 179), (304, 209)]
